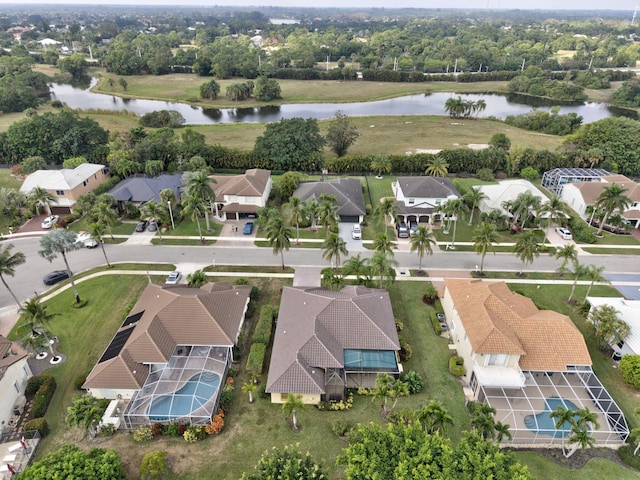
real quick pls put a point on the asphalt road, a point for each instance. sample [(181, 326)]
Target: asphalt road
[(28, 277)]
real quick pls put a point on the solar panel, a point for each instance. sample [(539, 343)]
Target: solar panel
[(132, 319), (116, 344)]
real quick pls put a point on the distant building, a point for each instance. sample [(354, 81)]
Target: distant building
[(505, 191), (555, 180)]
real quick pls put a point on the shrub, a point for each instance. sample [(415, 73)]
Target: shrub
[(626, 455), (43, 397), (399, 325), (406, 351), (256, 358), (242, 281), (155, 464), (34, 383), (485, 174), (435, 322), (217, 423), (225, 400), (143, 434), (529, 173), (79, 380), (157, 429), (413, 381), (106, 430), (340, 427), (194, 433), (630, 370), (430, 294), (262, 333), (337, 406), (39, 424), (456, 366), (171, 430)]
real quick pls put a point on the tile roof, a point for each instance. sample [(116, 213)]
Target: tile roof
[(427, 187), (348, 192), (498, 321), (252, 183), (143, 189), (314, 327), (10, 353), (591, 190), (173, 315), (64, 179)]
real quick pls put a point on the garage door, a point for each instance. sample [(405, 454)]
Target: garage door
[(349, 219)]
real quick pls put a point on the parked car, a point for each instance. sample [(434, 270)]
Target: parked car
[(356, 232), (173, 278), (564, 233), (55, 277), (50, 221), (403, 230), (86, 239), (248, 228), (153, 226), (413, 227), (141, 226)]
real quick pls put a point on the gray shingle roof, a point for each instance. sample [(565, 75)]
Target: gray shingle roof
[(348, 191), (143, 189), (427, 187), (316, 325)]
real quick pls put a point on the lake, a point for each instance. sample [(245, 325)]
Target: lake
[(498, 106)]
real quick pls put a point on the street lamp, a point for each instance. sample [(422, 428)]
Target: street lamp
[(171, 213)]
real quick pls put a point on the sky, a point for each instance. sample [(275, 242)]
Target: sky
[(629, 5)]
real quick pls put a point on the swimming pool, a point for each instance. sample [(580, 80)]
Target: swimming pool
[(542, 423), (198, 390)]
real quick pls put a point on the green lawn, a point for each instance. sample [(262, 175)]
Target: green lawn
[(612, 251), (187, 227), (7, 181), (597, 468)]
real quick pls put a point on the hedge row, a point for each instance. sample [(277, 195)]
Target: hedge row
[(255, 362), (262, 333), (43, 397), (34, 383), (435, 322), (39, 424)]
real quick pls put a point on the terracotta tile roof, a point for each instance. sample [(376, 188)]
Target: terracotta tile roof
[(10, 353), (174, 315), (252, 183), (496, 321), (314, 327), (591, 190)]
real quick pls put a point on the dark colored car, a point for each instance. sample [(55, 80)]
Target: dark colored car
[(141, 226), (55, 277), (248, 228)]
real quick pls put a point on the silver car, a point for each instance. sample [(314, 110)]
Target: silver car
[(173, 278)]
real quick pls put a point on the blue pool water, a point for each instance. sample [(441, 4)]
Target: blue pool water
[(545, 424), (197, 391)]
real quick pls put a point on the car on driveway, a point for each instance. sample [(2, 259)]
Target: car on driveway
[(86, 240), (564, 233), (50, 221), (248, 228), (55, 277), (141, 226), (153, 226), (173, 278), (413, 227), (356, 232)]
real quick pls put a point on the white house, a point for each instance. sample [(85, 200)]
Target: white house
[(14, 373), (629, 312), (240, 196), (417, 198), (506, 190)]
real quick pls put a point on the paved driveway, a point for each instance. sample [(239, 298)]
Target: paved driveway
[(344, 230)]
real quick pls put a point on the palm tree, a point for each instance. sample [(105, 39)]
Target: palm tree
[(422, 242), (482, 420), (579, 270), (291, 406), (611, 199), (105, 215), (473, 198), (328, 213), (297, 214), (555, 210), (311, 207), (398, 389), (381, 164), (37, 319), (278, 235), (384, 383), (437, 167), (526, 249), (502, 430), (568, 253), (495, 217), (8, 264), (156, 212), (199, 186), (59, 242), (454, 209), (387, 206), (194, 208), (524, 204), (41, 198), (84, 412), (97, 232), (479, 106), (357, 266), (609, 328), (167, 195), (382, 244), (484, 238), (249, 388), (563, 416), (434, 418), (334, 246), (381, 266), (196, 279), (595, 275), (581, 438)]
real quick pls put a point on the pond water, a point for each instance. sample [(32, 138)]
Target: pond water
[(498, 106)]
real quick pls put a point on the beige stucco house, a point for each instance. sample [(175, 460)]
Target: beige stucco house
[(240, 196), (14, 373), (418, 198)]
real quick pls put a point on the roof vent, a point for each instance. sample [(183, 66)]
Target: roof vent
[(284, 332)]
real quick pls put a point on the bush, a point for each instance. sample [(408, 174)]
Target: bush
[(630, 370), (242, 281), (529, 173), (34, 383), (157, 429), (225, 400), (143, 434), (626, 455), (43, 397), (413, 381), (256, 358), (399, 325), (406, 352), (262, 333), (39, 424), (340, 427), (79, 380), (194, 433), (456, 366), (171, 430), (155, 464), (217, 423), (485, 174), (435, 322)]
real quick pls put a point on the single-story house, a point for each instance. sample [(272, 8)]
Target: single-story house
[(629, 312), (170, 356), (141, 189), (418, 198), (14, 373), (240, 196), (348, 192), (327, 341), (555, 180), (66, 184), (506, 191), (524, 362), (581, 195)]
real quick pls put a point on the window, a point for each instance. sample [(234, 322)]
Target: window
[(84, 184), (412, 201), (59, 192), (438, 201), (15, 385), (497, 360)]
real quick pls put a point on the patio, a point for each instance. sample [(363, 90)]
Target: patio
[(17, 452)]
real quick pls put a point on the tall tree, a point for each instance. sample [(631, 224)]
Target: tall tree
[(328, 213), (157, 213), (333, 247), (194, 208), (41, 198), (59, 242), (610, 200), (104, 215), (381, 267), (8, 263), (357, 266), (341, 134), (387, 206), (564, 417), (382, 244), (555, 210), (422, 242), (526, 249), (437, 167), (594, 274), (291, 407), (434, 418), (579, 270), (97, 232), (311, 207), (297, 214), (609, 329), (37, 318), (567, 253), (381, 164), (484, 239), (454, 209), (199, 186), (278, 235), (473, 198)]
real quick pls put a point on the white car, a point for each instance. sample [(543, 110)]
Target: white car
[(564, 233), (50, 221), (86, 240), (173, 278), (356, 232)]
